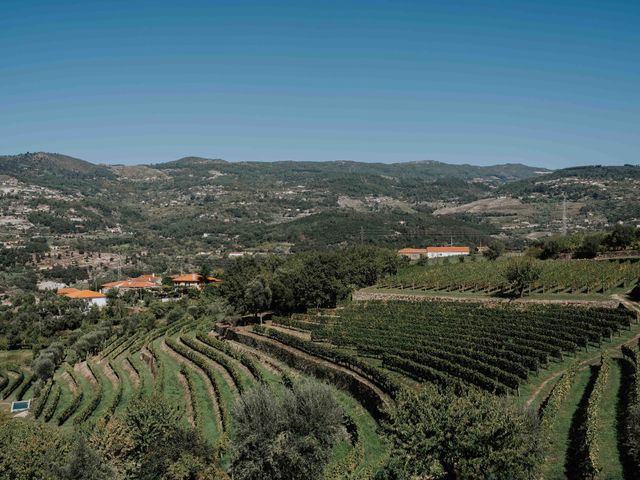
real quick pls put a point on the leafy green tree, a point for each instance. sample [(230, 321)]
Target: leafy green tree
[(257, 296), (85, 463), (495, 251), (521, 273), (620, 237), (440, 434), (150, 440), (285, 437), (589, 247), (34, 450)]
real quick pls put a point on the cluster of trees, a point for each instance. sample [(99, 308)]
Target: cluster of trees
[(444, 434), (620, 237), (31, 320), (304, 280)]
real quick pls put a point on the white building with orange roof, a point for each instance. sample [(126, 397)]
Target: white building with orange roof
[(89, 296), (193, 280)]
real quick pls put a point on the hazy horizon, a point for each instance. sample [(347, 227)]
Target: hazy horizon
[(546, 84), (390, 162)]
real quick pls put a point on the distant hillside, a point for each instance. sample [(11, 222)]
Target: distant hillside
[(610, 191), (54, 170), (425, 168), (418, 181)]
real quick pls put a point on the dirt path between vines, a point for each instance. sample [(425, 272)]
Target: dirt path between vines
[(186, 395), (289, 331), (212, 394), (83, 370), (149, 360), (71, 383), (110, 374), (133, 375)]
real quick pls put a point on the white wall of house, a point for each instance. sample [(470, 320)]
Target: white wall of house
[(445, 254), (98, 302)]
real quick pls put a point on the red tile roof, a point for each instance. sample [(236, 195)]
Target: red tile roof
[(187, 277), (447, 249), (409, 251), (132, 283), (75, 293)]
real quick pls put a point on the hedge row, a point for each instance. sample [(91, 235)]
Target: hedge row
[(350, 361), (84, 414), (160, 369), (551, 406), (632, 355), (24, 387), (13, 386), (111, 409), (216, 356), (241, 357), (186, 373), (204, 364), (41, 400), (50, 408), (632, 410), (342, 378), (591, 463), (71, 408)]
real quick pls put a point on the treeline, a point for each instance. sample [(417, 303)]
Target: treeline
[(621, 237), (304, 280)]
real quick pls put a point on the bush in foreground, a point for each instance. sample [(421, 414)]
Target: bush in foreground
[(285, 437), (442, 435)]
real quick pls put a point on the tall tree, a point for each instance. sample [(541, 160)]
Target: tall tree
[(521, 273), (257, 296)]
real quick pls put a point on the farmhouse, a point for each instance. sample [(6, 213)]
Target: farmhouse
[(432, 252), (438, 252), (92, 298), (193, 280)]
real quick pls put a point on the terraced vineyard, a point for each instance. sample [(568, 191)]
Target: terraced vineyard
[(563, 361), (577, 366), (493, 348), (201, 374), (485, 278)]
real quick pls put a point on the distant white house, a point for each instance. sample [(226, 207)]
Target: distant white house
[(433, 252), (439, 252)]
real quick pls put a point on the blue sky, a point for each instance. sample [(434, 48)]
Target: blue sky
[(547, 83)]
